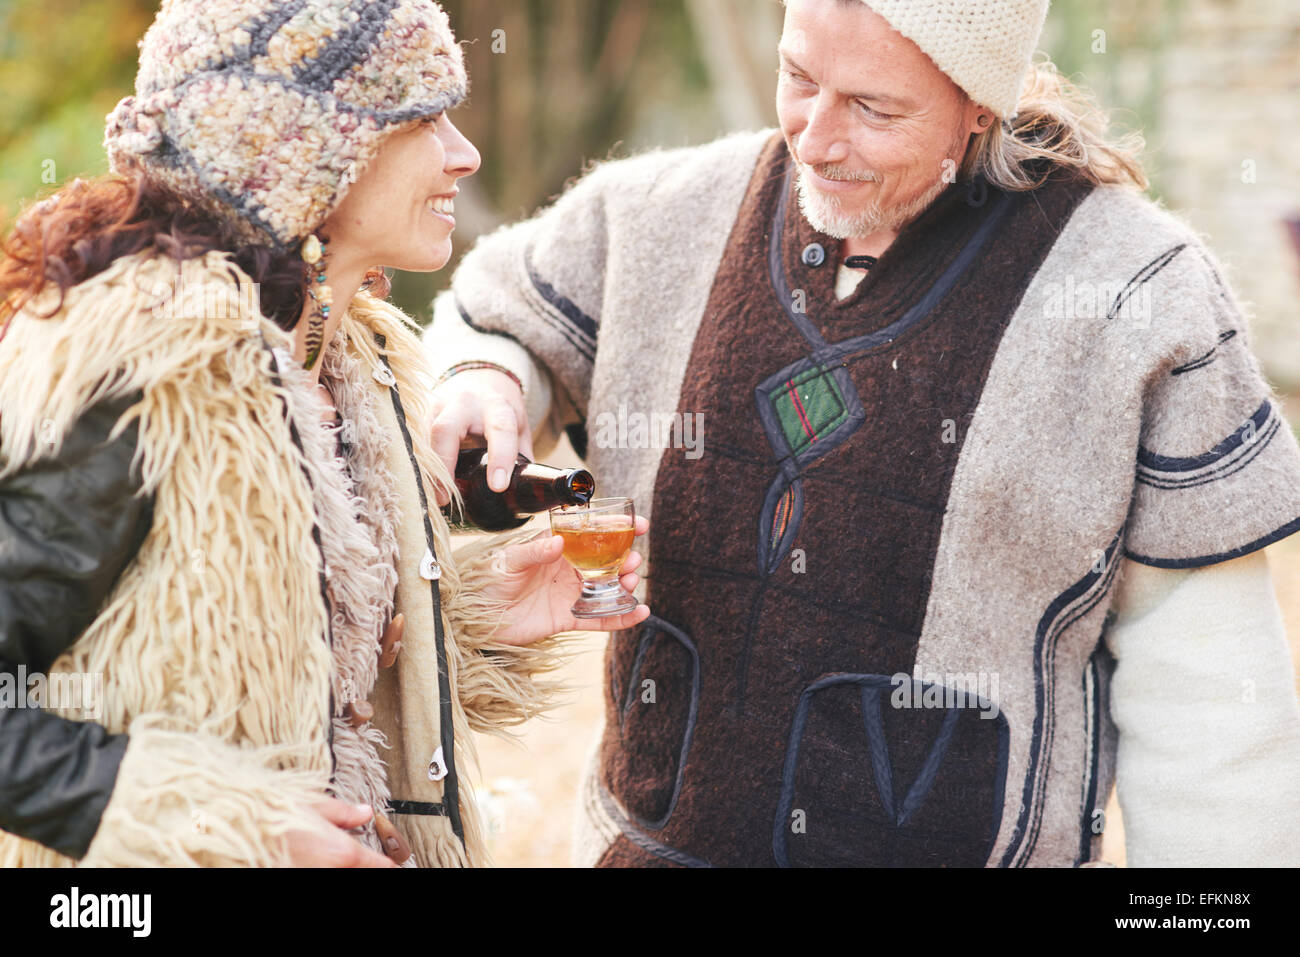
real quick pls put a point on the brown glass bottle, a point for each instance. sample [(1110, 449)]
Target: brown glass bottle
[(533, 488)]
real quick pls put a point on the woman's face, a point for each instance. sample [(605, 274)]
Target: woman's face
[(401, 212)]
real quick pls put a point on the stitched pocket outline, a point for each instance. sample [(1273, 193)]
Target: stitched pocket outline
[(645, 727), (884, 820)]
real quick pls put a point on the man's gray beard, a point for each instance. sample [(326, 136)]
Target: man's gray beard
[(825, 213)]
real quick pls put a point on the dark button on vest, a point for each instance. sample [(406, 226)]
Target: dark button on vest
[(814, 254)]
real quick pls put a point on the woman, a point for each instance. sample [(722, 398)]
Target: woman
[(217, 496)]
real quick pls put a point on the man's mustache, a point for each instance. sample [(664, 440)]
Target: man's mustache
[(842, 174)]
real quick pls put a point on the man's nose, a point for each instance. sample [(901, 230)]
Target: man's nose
[(823, 140)]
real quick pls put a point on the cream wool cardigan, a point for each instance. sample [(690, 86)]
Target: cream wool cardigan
[(256, 601)]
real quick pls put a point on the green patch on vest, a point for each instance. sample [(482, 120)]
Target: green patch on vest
[(808, 406)]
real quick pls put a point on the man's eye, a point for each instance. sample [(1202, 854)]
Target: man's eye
[(431, 120), (875, 115), (794, 77)]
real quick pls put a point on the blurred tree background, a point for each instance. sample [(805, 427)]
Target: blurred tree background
[(1214, 85)]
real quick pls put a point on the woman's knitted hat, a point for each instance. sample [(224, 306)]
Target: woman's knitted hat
[(984, 46), (264, 112)]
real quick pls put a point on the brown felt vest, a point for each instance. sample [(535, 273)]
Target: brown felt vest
[(749, 721)]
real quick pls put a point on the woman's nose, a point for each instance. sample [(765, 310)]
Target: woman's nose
[(462, 158)]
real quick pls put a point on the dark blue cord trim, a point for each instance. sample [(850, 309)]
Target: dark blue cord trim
[(655, 625), (1143, 275), (1094, 752), (582, 324), (645, 841), (1290, 528), (881, 765), (1229, 467), (1095, 584), (1174, 463), (1206, 359)]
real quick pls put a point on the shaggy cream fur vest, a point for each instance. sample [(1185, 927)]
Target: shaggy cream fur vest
[(234, 642)]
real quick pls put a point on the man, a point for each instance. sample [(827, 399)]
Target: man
[(975, 527)]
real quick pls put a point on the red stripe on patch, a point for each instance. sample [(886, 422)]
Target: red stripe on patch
[(803, 416)]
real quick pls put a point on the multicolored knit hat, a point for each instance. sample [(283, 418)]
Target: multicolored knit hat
[(264, 112)]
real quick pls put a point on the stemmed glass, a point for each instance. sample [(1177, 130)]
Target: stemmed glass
[(597, 540)]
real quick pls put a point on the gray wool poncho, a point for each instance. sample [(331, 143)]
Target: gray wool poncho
[(1031, 456)]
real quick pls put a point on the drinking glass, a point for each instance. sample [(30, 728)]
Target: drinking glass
[(597, 540)]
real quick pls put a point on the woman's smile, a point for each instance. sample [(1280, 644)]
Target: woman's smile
[(443, 207)]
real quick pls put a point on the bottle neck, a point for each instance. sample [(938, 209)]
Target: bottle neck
[(533, 488), (537, 488)]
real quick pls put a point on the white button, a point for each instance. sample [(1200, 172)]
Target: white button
[(437, 766), (384, 375), (430, 570)]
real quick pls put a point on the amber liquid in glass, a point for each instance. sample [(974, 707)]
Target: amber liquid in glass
[(599, 549), (597, 540)]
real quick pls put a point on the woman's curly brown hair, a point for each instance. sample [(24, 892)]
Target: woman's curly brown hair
[(84, 227)]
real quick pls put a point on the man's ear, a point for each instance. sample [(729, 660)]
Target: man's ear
[(977, 119)]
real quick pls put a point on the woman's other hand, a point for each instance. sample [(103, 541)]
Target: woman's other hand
[(541, 587), (484, 403)]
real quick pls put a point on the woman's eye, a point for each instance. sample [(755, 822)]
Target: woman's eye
[(431, 120)]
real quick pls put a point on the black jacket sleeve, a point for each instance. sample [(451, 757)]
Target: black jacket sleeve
[(69, 525)]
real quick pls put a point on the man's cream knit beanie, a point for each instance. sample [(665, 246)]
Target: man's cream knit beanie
[(984, 46)]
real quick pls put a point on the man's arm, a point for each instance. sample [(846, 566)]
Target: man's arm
[(1203, 695), (458, 350), (626, 255), (526, 299)]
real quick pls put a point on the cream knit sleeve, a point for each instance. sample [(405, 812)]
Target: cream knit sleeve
[(1203, 695)]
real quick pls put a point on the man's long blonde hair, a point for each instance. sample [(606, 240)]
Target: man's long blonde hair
[(1057, 124)]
